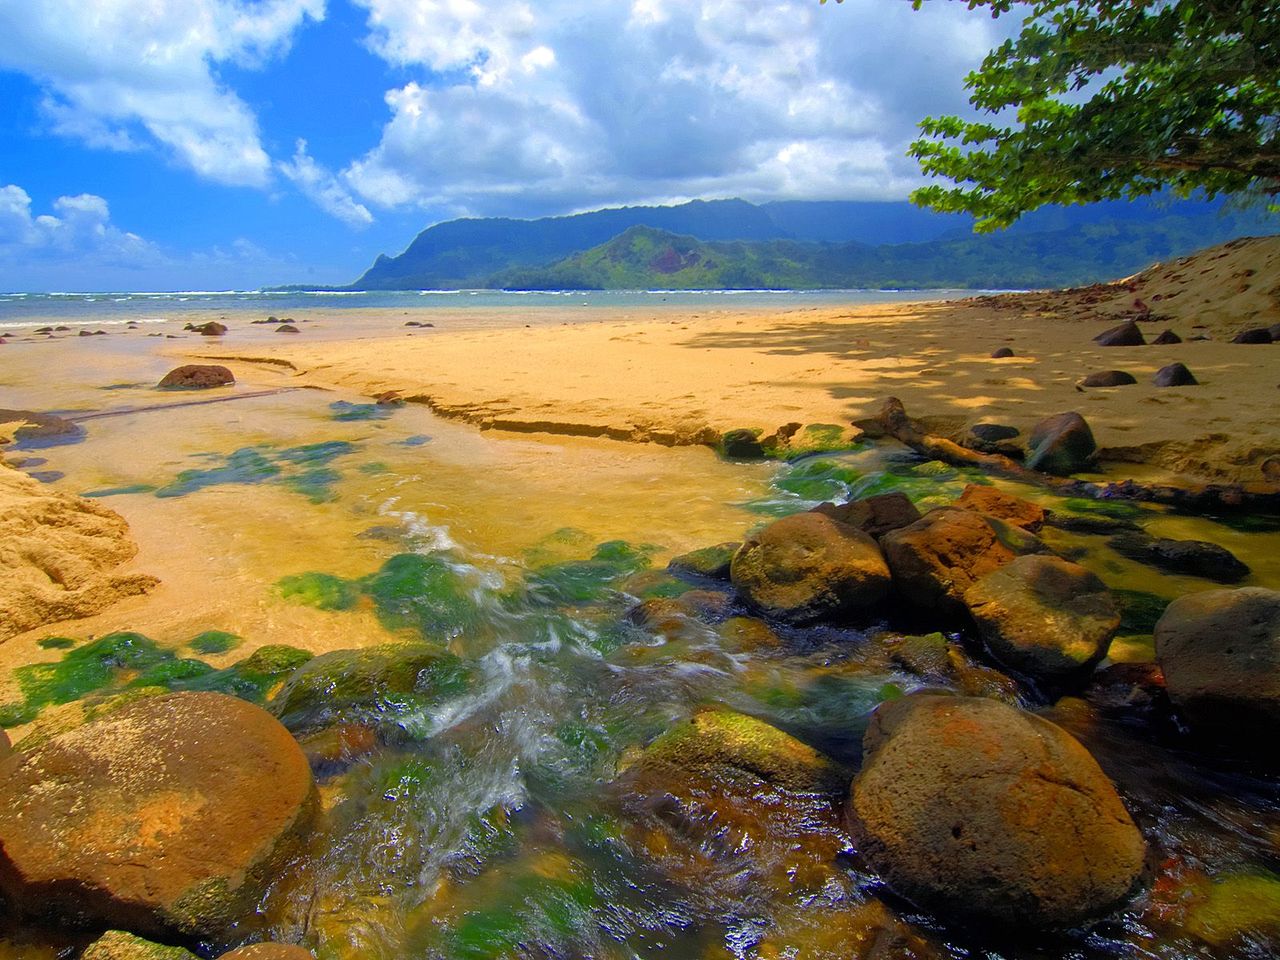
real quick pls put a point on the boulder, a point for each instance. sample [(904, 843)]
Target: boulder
[(807, 566), (197, 376), (286, 328), (1126, 334), (1167, 337), (1196, 558), (711, 563), (119, 945), (936, 559), (210, 329), (1255, 335), (1003, 506), (741, 445), (1220, 653), (977, 810), (993, 432), (1044, 617), (1108, 378), (384, 686), (1174, 375), (1062, 444), (168, 816), (269, 951), (1001, 353), (1274, 330), (939, 661), (875, 515)]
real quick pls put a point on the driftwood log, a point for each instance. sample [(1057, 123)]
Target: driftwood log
[(1257, 498)]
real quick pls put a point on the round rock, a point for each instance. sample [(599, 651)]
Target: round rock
[(1127, 334), (168, 816), (197, 376), (936, 559), (1061, 444), (1220, 653), (809, 566), (1174, 375), (1045, 617), (1108, 378), (977, 810)]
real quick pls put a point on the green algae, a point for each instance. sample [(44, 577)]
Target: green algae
[(344, 411), (130, 661), (214, 641), (819, 438), (818, 480), (1114, 509), (1139, 611), (1236, 906), (585, 581), (55, 643), (303, 469), (323, 591), (132, 488)]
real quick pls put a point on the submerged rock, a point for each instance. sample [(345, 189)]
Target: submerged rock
[(392, 684), (1062, 444), (1109, 378), (709, 562), (936, 559), (807, 566), (41, 429), (1003, 506), (167, 816), (978, 810), (119, 945), (1174, 375), (934, 658), (1045, 617), (197, 376), (1127, 334), (875, 515), (1197, 558), (1220, 653)]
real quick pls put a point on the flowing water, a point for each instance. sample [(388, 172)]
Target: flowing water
[(490, 812)]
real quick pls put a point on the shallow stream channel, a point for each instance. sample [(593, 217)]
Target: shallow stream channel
[(494, 639)]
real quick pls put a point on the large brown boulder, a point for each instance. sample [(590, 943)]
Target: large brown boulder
[(978, 810), (1220, 653), (808, 566), (1062, 444), (936, 559), (1004, 506), (1047, 618), (875, 515), (169, 816), (197, 376)]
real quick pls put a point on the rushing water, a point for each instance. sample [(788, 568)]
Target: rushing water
[(489, 813)]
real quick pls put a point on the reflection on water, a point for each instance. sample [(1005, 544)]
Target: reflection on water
[(485, 680)]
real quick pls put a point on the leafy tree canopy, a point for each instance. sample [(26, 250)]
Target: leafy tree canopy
[(1102, 99)]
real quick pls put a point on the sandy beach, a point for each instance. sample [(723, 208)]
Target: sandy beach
[(683, 379)]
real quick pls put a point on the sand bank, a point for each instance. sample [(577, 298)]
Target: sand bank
[(680, 380)]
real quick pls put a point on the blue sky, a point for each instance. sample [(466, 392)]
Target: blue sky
[(214, 144)]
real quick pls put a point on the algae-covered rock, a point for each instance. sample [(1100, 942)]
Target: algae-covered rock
[(728, 745), (937, 660), (391, 684), (119, 945), (741, 444), (936, 559), (1045, 617), (64, 717), (1235, 907), (167, 816), (711, 563), (808, 566), (978, 810)]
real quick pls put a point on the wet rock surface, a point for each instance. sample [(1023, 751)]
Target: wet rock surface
[(1062, 444), (1045, 617), (807, 566), (1003, 506), (711, 563), (1220, 653), (936, 559), (982, 812), (197, 376), (875, 515), (269, 951), (1196, 558), (167, 816), (120, 945)]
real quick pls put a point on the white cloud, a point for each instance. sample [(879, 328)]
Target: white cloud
[(79, 228), (523, 107), (323, 189), (119, 74)]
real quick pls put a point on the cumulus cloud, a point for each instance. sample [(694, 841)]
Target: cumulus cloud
[(80, 227), (324, 190), (555, 105), (120, 74)]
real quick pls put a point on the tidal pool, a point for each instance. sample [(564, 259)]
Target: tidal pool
[(312, 548)]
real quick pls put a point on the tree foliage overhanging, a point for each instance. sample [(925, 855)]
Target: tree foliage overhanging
[(1102, 99)]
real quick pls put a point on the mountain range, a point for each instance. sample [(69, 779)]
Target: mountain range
[(733, 244)]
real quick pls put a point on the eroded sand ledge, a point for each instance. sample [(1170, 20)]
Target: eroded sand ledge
[(687, 380), (58, 555)]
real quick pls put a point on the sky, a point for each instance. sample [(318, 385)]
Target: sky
[(232, 144)]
